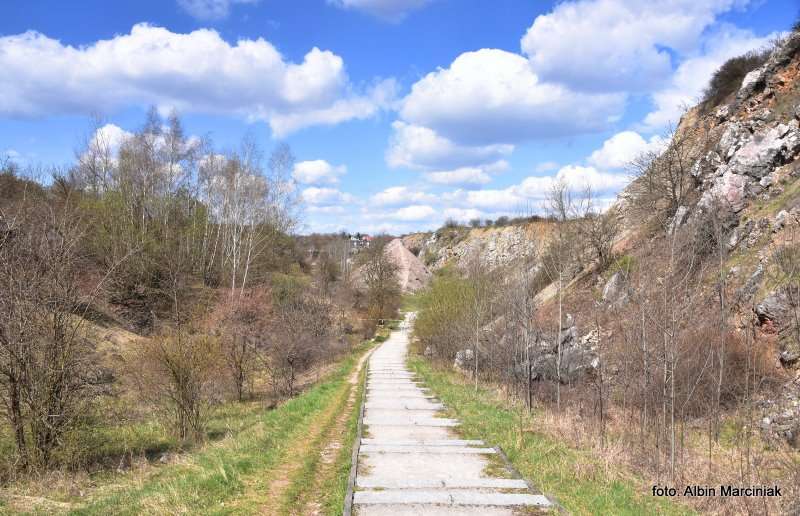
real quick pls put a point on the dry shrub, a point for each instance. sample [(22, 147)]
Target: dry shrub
[(301, 336), (179, 375), (728, 77)]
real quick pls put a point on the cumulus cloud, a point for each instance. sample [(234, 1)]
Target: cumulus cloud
[(414, 212), (198, 71), (491, 96), (317, 171), (397, 195), (210, 9), (617, 45), (691, 77), (459, 176), (462, 214), (390, 10), (419, 148), (533, 190), (619, 150), (316, 196)]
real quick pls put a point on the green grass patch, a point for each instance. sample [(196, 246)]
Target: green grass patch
[(577, 481)]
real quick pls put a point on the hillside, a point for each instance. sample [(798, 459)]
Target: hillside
[(688, 331)]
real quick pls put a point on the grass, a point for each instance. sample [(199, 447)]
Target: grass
[(229, 476), (578, 482)]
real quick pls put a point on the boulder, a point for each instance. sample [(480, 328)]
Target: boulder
[(780, 220), (615, 290), (678, 219), (463, 360), (730, 188), (766, 150), (732, 139), (751, 82), (774, 307)]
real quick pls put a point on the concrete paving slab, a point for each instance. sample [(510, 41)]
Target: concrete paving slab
[(432, 510), (427, 483), (447, 497), (430, 442), (432, 450)]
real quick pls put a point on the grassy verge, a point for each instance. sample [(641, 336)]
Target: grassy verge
[(579, 483), (225, 477)]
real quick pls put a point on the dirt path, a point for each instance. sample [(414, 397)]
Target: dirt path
[(309, 460), (415, 463), (327, 459)]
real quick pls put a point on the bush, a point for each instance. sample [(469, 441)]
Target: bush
[(502, 221), (728, 78), (179, 375)]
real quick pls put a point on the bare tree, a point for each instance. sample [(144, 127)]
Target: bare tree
[(598, 228), (45, 359), (559, 259)]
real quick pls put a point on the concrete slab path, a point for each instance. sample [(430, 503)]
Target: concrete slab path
[(411, 461)]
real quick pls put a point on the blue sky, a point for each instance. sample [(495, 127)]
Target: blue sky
[(401, 113)]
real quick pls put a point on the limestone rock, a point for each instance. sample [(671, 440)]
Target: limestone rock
[(615, 290), (774, 307), (678, 219), (730, 188)]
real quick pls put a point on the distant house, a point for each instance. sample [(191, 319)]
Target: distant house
[(359, 241)]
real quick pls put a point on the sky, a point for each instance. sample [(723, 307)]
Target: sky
[(401, 113)]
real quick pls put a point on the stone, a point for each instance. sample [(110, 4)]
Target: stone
[(797, 112), (730, 188), (789, 357), (678, 219), (780, 220), (732, 139), (773, 308), (751, 82), (722, 113), (766, 150), (428, 351), (616, 288)]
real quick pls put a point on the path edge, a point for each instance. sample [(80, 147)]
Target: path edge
[(555, 505), (351, 481)]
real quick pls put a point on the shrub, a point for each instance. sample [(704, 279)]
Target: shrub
[(475, 223), (451, 223), (502, 221), (728, 78), (178, 374)]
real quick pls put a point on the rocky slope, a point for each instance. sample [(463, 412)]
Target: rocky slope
[(493, 247)]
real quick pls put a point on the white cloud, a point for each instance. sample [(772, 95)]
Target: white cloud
[(396, 195), (326, 197), (317, 171), (414, 212), (210, 9), (12, 154), (109, 138), (529, 194), (692, 76), (391, 10), (418, 147), (492, 96), (577, 178), (619, 150), (617, 45), (198, 71), (459, 176), (462, 214)]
